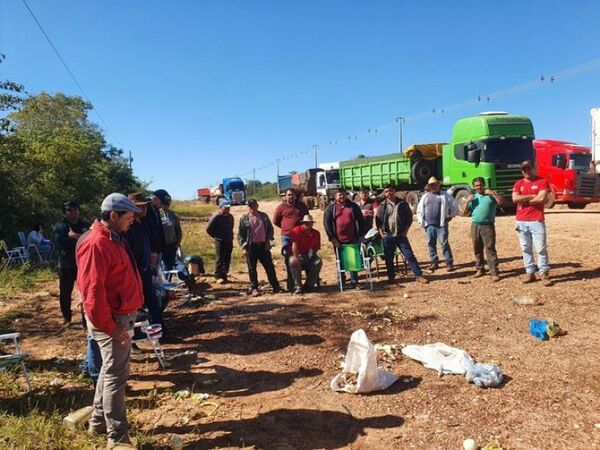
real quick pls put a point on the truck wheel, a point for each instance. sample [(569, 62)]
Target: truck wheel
[(412, 198), (421, 172), (572, 205), (550, 201), (461, 198)]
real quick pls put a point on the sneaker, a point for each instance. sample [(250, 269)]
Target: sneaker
[(450, 267), (432, 267), (495, 278), (479, 273), (529, 278), (277, 290), (254, 293), (297, 290), (135, 349), (422, 280), (221, 281), (546, 281), (124, 443)]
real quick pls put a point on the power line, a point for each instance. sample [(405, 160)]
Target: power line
[(64, 63)]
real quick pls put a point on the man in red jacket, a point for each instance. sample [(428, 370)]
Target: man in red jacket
[(111, 290)]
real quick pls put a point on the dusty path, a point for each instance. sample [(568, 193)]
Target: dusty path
[(273, 357)]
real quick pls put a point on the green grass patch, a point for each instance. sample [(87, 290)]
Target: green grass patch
[(23, 279), (193, 208), (197, 242)]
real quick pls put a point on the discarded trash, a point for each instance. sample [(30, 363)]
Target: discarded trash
[(470, 444), (446, 359), (526, 300), (544, 329), (176, 442), (200, 396), (179, 354), (209, 382), (57, 381), (210, 297), (492, 446), (180, 395), (405, 295), (360, 374), (78, 418), (390, 350)]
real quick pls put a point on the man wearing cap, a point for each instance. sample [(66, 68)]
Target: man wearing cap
[(306, 242), (111, 291), (220, 228), (139, 241), (344, 224), (393, 221), (482, 207), (171, 225), (435, 210), (66, 233), (288, 214), (152, 220), (255, 234), (529, 194)]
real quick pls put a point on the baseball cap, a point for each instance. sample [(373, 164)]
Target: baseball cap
[(252, 202), (224, 203), (138, 198), (163, 196), (118, 203), (307, 219), (69, 205)]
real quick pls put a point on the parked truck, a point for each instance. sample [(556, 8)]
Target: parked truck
[(567, 167), (490, 145), (315, 185), (232, 189)]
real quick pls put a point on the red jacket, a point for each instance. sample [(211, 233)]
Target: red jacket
[(107, 278)]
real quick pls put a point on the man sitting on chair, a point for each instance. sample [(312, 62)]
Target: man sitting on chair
[(306, 242), (344, 224)]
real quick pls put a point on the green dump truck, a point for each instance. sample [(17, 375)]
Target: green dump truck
[(489, 145)]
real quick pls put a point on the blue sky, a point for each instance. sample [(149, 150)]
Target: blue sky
[(200, 90)]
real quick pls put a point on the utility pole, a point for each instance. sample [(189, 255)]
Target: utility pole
[(400, 121), (254, 183), (278, 187), (130, 160), (316, 149)]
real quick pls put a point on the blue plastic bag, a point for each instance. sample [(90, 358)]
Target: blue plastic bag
[(539, 329)]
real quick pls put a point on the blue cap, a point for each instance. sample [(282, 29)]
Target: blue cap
[(118, 203), (224, 203)]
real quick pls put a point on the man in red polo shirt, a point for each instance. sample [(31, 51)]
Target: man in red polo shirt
[(529, 194), (288, 214), (306, 242), (111, 291)]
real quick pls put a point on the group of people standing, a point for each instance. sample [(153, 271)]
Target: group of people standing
[(347, 222)]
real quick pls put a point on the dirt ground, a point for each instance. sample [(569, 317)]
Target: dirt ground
[(267, 362)]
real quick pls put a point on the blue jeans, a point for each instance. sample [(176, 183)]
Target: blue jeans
[(93, 359), (439, 235), (389, 248), (533, 235)]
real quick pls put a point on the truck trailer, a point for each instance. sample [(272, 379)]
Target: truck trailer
[(490, 145), (568, 169)]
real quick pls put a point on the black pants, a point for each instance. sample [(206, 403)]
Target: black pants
[(484, 237), (151, 300), (223, 250), (66, 277), (169, 254), (258, 252)]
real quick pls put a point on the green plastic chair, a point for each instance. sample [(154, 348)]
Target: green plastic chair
[(352, 258), (16, 359), (376, 252)]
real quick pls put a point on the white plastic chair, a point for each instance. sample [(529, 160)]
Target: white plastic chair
[(14, 255), (16, 358), (152, 334)]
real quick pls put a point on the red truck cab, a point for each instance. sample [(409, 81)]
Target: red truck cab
[(567, 169)]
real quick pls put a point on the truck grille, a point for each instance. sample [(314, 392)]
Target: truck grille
[(587, 185), (505, 180), (237, 197)]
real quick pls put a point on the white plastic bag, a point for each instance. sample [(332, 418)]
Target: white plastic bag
[(440, 357), (361, 374)]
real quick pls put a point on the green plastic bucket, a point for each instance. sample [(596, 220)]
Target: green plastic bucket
[(350, 258)]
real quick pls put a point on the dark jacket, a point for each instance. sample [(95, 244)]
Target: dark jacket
[(244, 238), (154, 224), (66, 245), (404, 216), (138, 239), (220, 226), (329, 220)]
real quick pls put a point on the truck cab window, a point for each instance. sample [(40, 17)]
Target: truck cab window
[(579, 161), (559, 160)]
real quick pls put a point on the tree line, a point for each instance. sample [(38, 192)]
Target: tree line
[(50, 153)]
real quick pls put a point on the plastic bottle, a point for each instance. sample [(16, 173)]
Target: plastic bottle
[(78, 418)]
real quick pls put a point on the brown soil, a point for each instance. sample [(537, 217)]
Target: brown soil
[(267, 362)]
